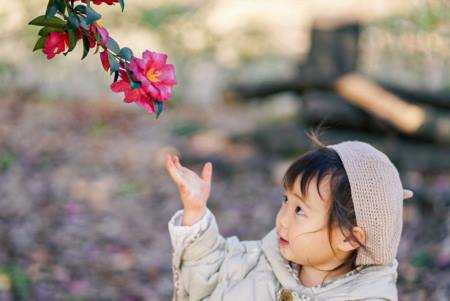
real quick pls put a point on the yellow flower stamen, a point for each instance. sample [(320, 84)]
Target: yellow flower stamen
[(99, 23), (153, 75)]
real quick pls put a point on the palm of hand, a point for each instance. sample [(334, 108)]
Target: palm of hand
[(194, 190)]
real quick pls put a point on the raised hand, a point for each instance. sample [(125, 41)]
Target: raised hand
[(194, 190)]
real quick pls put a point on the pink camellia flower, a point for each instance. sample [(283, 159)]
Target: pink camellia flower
[(138, 95), (156, 77), (56, 43), (98, 2)]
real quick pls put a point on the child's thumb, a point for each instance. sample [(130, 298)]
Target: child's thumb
[(207, 172)]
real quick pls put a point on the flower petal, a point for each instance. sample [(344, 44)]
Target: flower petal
[(147, 105), (158, 59), (55, 43), (167, 75), (151, 89), (120, 86), (104, 59), (146, 61), (165, 93), (103, 34)]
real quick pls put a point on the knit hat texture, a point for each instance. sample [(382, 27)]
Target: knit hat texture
[(377, 195)]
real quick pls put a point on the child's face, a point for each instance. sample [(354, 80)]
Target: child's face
[(302, 225)]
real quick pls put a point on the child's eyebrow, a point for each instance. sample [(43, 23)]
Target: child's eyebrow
[(301, 200)]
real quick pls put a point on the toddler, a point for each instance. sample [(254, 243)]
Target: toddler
[(335, 238)]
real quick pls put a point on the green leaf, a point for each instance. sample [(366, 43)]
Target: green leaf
[(88, 3), (52, 11), (122, 4), (113, 63), (45, 31), (159, 108), (44, 21), (80, 8), (85, 47), (98, 37), (97, 49), (49, 6), (133, 84), (91, 15), (40, 43), (72, 39), (62, 6), (126, 53), (112, 45), (83, 23), (73, 21)]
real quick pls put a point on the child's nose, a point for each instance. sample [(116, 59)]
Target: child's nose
[(284, 219)]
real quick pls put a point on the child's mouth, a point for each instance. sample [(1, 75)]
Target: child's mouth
[(282, 241)]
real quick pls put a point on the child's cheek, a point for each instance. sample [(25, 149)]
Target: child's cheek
[(298, 240), (299, 250)]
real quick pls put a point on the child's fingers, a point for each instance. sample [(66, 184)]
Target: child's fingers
[(179, 166), (177, 162), (168, 164), (171, 169), (207, 172)]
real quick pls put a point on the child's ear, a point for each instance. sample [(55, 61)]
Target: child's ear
[(348, 243)]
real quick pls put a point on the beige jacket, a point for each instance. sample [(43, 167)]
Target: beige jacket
[(210, 267)]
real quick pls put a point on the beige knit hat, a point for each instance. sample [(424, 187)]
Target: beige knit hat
[(377, 195)]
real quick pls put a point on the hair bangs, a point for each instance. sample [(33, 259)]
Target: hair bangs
[(312, 165)]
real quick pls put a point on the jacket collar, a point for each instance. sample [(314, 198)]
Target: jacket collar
[(378, 279), (278, 263)]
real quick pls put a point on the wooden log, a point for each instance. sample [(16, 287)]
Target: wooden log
[(366, 94), (414, 120)]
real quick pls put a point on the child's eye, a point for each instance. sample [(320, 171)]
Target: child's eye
[(285, 199), (298, 210)]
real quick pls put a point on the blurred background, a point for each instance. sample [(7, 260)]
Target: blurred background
[(84, 198)]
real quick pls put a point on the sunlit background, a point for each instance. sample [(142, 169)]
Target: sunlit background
[(84, 198)]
